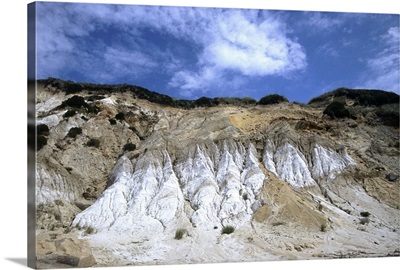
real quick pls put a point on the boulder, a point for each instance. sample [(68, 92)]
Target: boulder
[(74, 252), (67, 251), (83, 204)]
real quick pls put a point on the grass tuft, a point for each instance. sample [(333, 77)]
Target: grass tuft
[(228, 230), (365, 214), (180, 233)]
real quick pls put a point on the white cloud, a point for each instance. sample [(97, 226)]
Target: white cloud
[(384, 68), (392, 36), (222, 40), (208, 81), (128, 59), (317, 21), (187, 81), (66, 43), (251, 49), (328, 49), (237, 43)]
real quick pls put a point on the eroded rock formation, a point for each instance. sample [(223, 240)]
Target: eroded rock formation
[(290, 181)]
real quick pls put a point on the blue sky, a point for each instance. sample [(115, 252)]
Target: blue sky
[(192, 52)]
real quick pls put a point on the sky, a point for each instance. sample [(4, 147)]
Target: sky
[(188, 53)]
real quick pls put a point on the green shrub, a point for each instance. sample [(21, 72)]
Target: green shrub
[(69, 113), (323, 227), (206, 102), (336, 109), (389, 114), (75, 102), (272, 99), (92, 109), (73, 132), (129, 147), (232, 101), (89, 230), (362, 97), (180, 233), (42, 129), (228, 230), (72, 87), (93, 143), (365, 214), (120, 116), (373, 97)]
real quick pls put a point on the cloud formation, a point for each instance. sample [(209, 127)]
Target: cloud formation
[(238, 43), (222, 41), (383, 69), (323, 21)]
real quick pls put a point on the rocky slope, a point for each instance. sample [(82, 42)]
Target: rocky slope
[(144, 183)]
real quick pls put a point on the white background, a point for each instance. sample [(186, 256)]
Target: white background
[(13, 191)]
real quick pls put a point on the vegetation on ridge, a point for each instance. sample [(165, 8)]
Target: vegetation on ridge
[(336, 109), (377, 105), (99, 90), (362, 97), (272, 99), (335, 102)]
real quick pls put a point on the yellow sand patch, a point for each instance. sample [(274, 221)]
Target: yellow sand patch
[(288, 207)]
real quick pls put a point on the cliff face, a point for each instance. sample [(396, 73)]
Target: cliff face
[(290, 181)]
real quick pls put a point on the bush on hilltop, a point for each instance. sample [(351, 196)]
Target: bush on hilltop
[(272, 99)]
